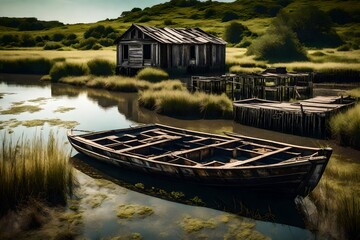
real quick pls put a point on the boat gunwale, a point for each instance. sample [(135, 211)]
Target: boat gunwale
[(300, 160)]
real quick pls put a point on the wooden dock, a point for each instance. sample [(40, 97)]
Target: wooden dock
[(307, 118), (273, 84)]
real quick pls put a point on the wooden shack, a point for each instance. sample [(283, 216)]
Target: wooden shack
[(186, 49), (307, 118), (273, 84)]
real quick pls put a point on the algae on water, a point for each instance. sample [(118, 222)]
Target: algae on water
[(190, 224), (17, 109), (133, 210), (63, 109)]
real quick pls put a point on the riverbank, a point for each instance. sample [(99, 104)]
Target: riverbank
[(92, 214)]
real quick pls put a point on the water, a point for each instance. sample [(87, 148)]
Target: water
[(104, 189)]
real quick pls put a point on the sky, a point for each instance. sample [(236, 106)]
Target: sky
[(73, 11)]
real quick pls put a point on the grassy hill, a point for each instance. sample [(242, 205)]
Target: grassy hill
[(210, 16)]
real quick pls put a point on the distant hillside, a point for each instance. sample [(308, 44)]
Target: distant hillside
[(28, 24), (211, 16)]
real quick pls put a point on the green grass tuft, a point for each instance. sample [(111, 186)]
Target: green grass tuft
[(186, 105), (346, 127), (101, 67), (61, 70), (152, 74)]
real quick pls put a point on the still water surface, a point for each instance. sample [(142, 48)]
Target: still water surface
[(102, 189)]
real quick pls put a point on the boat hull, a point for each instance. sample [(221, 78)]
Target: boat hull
[(294, 179)]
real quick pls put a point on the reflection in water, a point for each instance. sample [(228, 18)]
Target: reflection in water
[(273, 208), (127, 105)]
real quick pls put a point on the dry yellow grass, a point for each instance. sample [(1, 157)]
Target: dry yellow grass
[(70, 56)]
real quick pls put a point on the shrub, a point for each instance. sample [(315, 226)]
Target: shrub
[(26, 66), (210, 12), (96, 46), (27, 40), (101, 67), (234, 32), (152, 74), (71, 36), (312, 26), (60, 70), (229, 15), (344, 48), (168, 22), (87, 44), (11, 40), (52, 46), (96, 32), (57, 37), (69, 42), (279, 43), (339, 16), (106, 42), (113, 36), (144, 19)]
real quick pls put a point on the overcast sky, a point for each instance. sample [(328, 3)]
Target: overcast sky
[(73, 11)]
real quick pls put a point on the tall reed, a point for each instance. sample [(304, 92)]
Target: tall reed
[(34, 169)]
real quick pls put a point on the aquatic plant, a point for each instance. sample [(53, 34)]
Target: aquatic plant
[(190, 224), (63, 109), (17, 109), (152, 74), (131, 210), (34, 169)]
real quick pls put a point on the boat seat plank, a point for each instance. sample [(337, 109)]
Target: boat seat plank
[(239, 163)]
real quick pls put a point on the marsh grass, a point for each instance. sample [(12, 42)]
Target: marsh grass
[(345, 126), (33, 169), (122, 84), (337, 199), (60, 70), (26, 65), (152, 74), (101, 67), (186, 105), (355, 93)]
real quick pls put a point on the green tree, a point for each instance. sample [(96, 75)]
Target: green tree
[(235, 32), (278, 44)]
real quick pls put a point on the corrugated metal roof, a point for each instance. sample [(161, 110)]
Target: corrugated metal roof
[(177, 35)]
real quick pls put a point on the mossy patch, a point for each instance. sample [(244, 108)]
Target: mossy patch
[(52, 122), (38, 100), (140, 186), (190, 224), (97, 200), (71, 218), (132, 236), (244, 230), (129, 211), (17, 109), (63, 109), (13, 123)]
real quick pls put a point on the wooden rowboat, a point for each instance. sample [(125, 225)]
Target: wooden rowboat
[(233, 160)]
